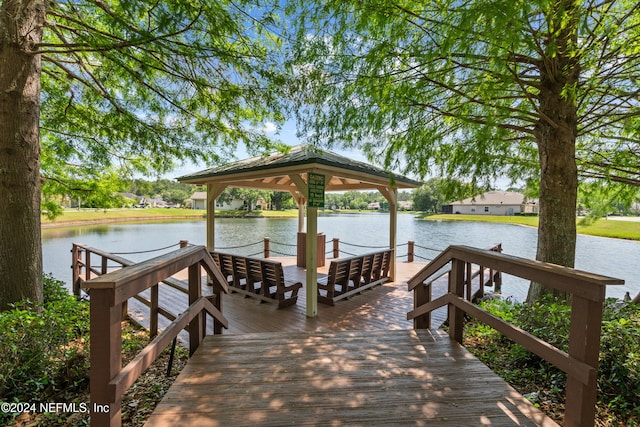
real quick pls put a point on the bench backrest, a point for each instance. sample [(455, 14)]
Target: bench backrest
[(371, 266), (272, 273), (339, 271), (225, 262)]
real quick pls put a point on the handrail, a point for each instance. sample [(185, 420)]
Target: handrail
[(154, 309), (588, 295), (108, 379)]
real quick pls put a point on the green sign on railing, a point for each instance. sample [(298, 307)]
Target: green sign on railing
[(315, 182)]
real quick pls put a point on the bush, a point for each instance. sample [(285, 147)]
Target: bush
[(619, 367), (38, 355)]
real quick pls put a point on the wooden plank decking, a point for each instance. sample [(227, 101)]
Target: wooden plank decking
[(381, 308), (349, 378), (358, 363)]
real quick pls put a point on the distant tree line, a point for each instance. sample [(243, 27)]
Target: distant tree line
[(593, 200)]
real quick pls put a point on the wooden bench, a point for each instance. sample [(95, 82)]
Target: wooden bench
[(257, 277), (350, 276)]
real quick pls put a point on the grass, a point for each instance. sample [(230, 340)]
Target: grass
[(602, 227), (72, 216)]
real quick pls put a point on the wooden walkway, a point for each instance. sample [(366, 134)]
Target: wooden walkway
[(351, 378), (381, 308), (358, 363)]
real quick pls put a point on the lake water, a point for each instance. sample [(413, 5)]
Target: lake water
[(612, 257)]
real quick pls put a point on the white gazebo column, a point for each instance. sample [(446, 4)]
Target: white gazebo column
[(391, 194), (300, 202), (213, 191), (393, 230), (311, 246), (312, 262)]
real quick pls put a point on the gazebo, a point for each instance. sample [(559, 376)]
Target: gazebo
[(306, 172)]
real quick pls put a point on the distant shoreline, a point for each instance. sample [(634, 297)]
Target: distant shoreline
[(612, 227)]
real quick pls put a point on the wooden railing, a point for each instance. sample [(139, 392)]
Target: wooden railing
[(83, 270), (108, 379), (588, 295)]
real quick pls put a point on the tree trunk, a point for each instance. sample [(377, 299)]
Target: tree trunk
[(556, 137), (21, 250)]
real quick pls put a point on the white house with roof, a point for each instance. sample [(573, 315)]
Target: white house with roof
[(494, 203)]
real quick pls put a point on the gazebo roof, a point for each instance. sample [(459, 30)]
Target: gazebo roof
[(274, 172)]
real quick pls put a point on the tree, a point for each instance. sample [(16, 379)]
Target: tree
[(281, 199), (90, 86), (428, 198), (248, 195), (544, 90)]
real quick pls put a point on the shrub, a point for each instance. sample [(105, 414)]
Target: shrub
[(37, 353), (619, 366)]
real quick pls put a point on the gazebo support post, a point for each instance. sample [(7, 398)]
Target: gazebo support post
[(393, 230), (312, 262), (391, 194), (213, 191)]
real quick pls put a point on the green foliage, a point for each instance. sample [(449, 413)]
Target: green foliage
[(133, 86), (38, 356), (435, 85), (282, 200), (602, 198), (619, 365)]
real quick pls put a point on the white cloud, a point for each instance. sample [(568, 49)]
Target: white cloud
[(269, 127)]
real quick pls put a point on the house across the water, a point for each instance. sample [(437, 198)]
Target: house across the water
[(199, 201), (494, 203)]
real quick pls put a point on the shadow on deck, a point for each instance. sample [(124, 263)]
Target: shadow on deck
[(359, 362), (351, 378)]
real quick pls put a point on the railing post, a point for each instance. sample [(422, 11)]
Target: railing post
[(467, 280), (195, 326), (153, 311), (421, 296), (106, 357), (456, 287), (336, 247), (584, 345), (216, 300), (410, 248), (87, 264), (267, 247), (496, 277), (75, 269)]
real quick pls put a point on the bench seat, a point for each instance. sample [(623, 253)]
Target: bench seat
[(350, 276), (259, 278)]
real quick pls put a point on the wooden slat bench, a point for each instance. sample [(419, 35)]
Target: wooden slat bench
[(258, 278), (350, 276)]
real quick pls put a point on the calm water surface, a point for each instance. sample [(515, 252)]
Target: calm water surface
[(612, 257)]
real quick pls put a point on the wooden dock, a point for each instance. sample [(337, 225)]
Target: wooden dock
[(349, 378), (358, 363)]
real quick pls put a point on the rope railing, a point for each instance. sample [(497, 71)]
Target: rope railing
[(429, 249), (293, 245), (364, 246), (147, 251), (241, 246), (282, 253)]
